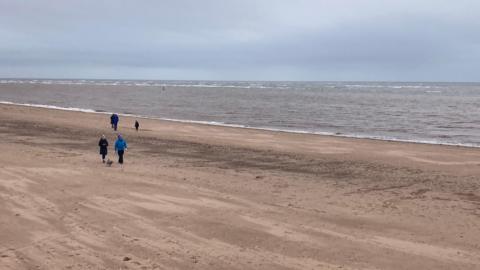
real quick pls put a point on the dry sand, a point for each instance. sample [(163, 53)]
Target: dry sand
[(205, 197)]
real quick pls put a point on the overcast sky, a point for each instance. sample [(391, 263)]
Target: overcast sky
[(392, 40)]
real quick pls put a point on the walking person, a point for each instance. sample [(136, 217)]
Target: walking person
[(137, 125), (114, 119), (103, 144), (120, 147), (111, 119)]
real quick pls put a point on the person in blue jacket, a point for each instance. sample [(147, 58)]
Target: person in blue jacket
[(114, 121), (120, 147)]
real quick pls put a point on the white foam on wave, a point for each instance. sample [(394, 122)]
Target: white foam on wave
[(388, 86), (49, 107), (214, 123), (140, 84)]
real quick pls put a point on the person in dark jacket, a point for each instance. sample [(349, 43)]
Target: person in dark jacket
[(103, 144), (120, 147), (137, 125), (115, 119), (111, 120)]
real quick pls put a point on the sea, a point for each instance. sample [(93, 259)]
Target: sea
[(419, 112)]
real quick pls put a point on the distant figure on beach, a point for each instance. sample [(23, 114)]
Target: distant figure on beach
[(114, 120), (103, 144), (120, 147), (137, 125), (111, 119)]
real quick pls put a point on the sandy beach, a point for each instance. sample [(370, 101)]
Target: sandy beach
[(193, 196)]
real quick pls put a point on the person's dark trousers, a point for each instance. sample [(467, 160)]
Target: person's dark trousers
[(120, 156), (115, 127), (103, 156)]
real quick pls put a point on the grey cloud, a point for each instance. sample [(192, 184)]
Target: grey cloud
[(314, 40)]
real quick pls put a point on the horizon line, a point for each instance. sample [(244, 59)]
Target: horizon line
[(225, 80)]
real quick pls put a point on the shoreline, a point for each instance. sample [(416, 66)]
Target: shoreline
[(435, 157), (212, 123)]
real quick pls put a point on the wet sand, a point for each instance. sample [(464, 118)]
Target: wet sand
[(204, 197)]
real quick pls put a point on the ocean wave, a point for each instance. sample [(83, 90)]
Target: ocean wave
[(143, 84), (212, 84), (273, 129), (389, 86)]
